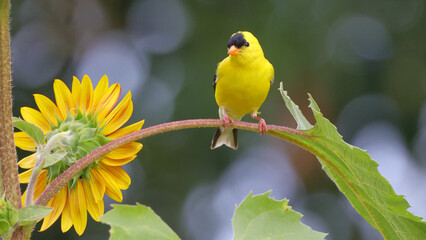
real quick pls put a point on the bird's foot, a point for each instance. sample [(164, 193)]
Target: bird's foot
[(263, 128), (227, 120)]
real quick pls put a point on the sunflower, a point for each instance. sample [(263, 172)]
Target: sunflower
[(91, 118)]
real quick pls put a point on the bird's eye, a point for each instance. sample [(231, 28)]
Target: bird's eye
[(247, 44)]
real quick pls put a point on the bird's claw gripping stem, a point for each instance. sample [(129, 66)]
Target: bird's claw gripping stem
[(263, 128), (227, 120)]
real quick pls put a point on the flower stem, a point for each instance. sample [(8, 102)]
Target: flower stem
[(38, 166), (9, 183), (66, 176)]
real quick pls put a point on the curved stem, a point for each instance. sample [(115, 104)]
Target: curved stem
[(66, 176), (38, 166)]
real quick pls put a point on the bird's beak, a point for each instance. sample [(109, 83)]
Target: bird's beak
[(233, 50)]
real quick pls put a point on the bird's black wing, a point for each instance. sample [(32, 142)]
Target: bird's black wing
[(214, 82)]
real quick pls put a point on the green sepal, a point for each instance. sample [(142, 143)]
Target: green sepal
[(101, 139), (86, 147), (87, 134), (53, 158)]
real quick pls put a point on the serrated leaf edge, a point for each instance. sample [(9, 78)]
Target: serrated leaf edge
[(319, 117)]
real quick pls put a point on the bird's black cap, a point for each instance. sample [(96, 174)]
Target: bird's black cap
[(237, 39)]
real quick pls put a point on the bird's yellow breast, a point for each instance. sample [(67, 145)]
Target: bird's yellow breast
[(242, 88)]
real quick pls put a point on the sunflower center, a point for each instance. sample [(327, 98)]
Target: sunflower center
[(83, 136)]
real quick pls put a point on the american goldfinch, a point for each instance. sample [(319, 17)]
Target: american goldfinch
[(241, 85)]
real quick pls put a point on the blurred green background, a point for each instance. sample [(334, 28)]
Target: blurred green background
[(363, 61)]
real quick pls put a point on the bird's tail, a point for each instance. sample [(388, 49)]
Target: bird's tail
[(227, 136)]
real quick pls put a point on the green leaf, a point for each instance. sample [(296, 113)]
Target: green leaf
[(357, 177), (302, 122), (30, 214), (135, 223), (261, 217), (35, 133)]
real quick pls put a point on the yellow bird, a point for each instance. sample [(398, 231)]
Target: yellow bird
[(241, 85)]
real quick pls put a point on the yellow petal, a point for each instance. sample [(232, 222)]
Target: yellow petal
[(47, 108), (114, 193), (27, 162), (121, 113), (111, 188), (58, 203), (41, 184), (101, 208), (125, 151), (24, 142), (63, 98), (23, 197), (100, 91), (66, 221), (117, 162), (35, 117), (86, 93), (76, 90), (108, 101), (96, 209), (78, 207), (116, 174), (24, 177), (126, 130), (98, 186)]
